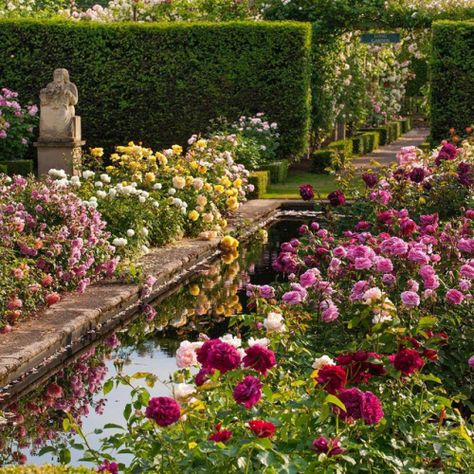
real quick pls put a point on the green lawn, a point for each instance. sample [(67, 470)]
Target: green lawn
[(322, 183)]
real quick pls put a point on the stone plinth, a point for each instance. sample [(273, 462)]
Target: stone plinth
[(59, 155)]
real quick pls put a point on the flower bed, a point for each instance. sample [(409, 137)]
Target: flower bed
[(358, 360), (62, 233)]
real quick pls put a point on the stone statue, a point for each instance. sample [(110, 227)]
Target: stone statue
[(59, 142), (57, 117)]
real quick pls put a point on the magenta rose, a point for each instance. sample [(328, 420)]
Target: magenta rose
[(248, 392), (164, 411), (306, 192), (216, 354), (336, 198)]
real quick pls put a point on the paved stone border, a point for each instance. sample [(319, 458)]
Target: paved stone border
[(109, 303)]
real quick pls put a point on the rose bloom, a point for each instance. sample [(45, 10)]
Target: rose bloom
[(407, 361), (107, 466), (454, 297), (186, 354), (306, 192), (360, 405), (471, 361), (262, 428), (274, 323), (332, 377), (331, 447), (248, 392), (322, 361), (216, 354), (259, 358), (336, 198), (410, 298), (220, 435), (164, 411), (370, 179)]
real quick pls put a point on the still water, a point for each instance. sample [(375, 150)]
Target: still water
[(202, 304)]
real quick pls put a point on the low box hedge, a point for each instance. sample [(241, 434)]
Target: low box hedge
[(372, 141), (357, 144), (322, 159), (23, 167), (278, 170), (259, 179), (344, 151), (3, 169), (383, 132)]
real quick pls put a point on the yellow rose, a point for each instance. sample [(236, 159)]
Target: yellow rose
[(189, 180), (179, 182), (150, 177), (225, 181), (202, 170), (223, 223), (109, 169), (218, 188), (232, 204), (194, 165), (207, 187), (201, 143), (238, 183), (177, 150), (228, 243), (193, 215), (97, 152), (194, 290)]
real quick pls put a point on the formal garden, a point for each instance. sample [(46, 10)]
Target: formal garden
[(236, 236)]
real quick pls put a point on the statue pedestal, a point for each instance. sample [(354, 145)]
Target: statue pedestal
[(59, 155)]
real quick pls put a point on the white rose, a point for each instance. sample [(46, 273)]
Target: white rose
[(322, 361), (182, 391), (130, 232), (87, 174), (274, 323), (105, 178), (232, 340), (119, 242), (261, 342)]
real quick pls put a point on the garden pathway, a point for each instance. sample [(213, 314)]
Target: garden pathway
[(387, 155)]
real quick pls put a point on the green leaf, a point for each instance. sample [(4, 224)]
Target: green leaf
[(335, 401), (65, 456), (66, 424), (108, 386)]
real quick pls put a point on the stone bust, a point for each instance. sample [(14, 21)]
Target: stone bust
[(57, 115)]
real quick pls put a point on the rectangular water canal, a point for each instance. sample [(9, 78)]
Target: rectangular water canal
[(32, 429)]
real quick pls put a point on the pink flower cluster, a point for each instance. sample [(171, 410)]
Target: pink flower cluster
[(50, 242)]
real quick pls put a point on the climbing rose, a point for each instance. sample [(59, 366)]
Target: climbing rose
[(259, 358), (220, 435), (248, 392), (163, 410), (332, 377), (337, 198), (331, 447), (107, 466), (262, 428), (407, 361), (306, 192), (54, 391)]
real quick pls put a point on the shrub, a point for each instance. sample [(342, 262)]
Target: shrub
[(23, 167), (278, 171), (357, 144), (406, 125), (259, 180), (322, 159), (383, 131), (452, 71), (16, 125), (372, 140), (163, 82)]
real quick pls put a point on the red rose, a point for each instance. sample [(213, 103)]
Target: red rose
[(262, 429), (331, 447), (332, 377), (216, 354), (407, 361), (259, 358), (220, 435)]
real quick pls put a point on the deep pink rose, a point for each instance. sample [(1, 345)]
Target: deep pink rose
[(259, 358), (164, 411), (248, 392)]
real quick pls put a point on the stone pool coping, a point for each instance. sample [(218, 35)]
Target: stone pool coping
[(108, 303)]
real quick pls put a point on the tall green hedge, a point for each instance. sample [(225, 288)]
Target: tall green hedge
[(161, 82), (452, 77)]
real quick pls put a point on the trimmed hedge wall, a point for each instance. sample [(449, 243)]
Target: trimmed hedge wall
[(452, 77), (278, 171), (161, 82), (343, 148), (260, 181), (23, 167)]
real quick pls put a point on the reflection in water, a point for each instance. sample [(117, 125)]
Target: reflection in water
[(30, 427)]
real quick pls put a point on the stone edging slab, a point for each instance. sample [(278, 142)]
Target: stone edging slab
[(109, 302)]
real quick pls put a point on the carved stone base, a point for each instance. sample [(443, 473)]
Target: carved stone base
[(59, 155)]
